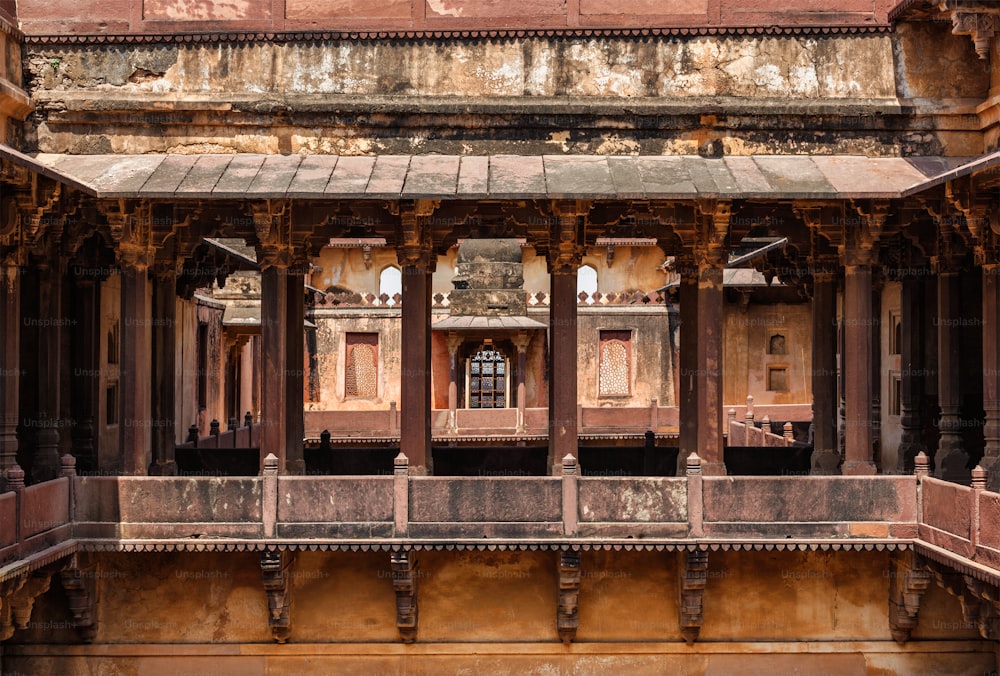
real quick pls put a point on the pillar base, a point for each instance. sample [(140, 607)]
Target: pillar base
[(992, 466), (859, 468), (168, 468), (950, 465), (709, 468), (825, 463)]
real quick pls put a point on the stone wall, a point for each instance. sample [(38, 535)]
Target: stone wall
[(753, 94), (781, 611)]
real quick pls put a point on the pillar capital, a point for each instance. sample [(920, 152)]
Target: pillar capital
[(455, 341), (416, 242), (521, 341)]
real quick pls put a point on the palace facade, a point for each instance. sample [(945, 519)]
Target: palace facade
[(445, 337)]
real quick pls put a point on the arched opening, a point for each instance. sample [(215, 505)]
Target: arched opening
[(586, 282), (390, 283)]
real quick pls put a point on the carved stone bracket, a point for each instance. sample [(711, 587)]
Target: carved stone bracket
[(908, 582), (81, 590), (980, 600), (694, 576), (567, 619), (131, 225), (404, 583), (416, 245), (976, 18), (274, 568), (567, 236), (18, 600), (710, 240)]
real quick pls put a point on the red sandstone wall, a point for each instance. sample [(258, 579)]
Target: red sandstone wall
[(167, 16)]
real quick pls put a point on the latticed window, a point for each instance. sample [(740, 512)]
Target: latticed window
[(361, 374), (615, 364), (488, 379)]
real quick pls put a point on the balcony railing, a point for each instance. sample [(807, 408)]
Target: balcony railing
[(942, 520)]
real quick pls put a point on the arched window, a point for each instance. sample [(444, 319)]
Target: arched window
[(390, 283), (488, 378), (586, 282)]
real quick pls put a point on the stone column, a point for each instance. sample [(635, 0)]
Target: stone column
[(912, 372), (688, 413), (454, 342), (10, 364), (135, 419), (521, 341), (708, 370), (164, 334), (826, 455), (415, 379), (857, 360), (295, 364), (50, 329), (991, 373), (950, 460), (85, 357), (563, 365), (281, 322)]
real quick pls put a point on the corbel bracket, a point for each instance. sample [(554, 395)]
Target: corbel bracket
[(908, 582), (694, 576), (274, 568), (569, 595), (404, 583)]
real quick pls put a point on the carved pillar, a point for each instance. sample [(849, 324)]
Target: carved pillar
[(521, 341), (950, 460), (10, 365), (562, 364), (991, 373), (688, 413), (826, 455), (135, 413), (417, 260), (859, 323), (85, 357), (415, 380), (912, 376), (282, 359), (164, 334), (708, 392), (51, 322), (454, 342)]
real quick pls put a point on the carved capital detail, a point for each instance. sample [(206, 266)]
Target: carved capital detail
[(416, 243), (274, 571), (567, 619), (908, 582), (694, 576), (404, 583)]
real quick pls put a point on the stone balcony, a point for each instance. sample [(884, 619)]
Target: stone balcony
[(955, 525)]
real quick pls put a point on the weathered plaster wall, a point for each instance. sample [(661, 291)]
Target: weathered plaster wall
[(159, 613), (107, 435), (746, 360), (754, 94), (331, 335), (157, 16)]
